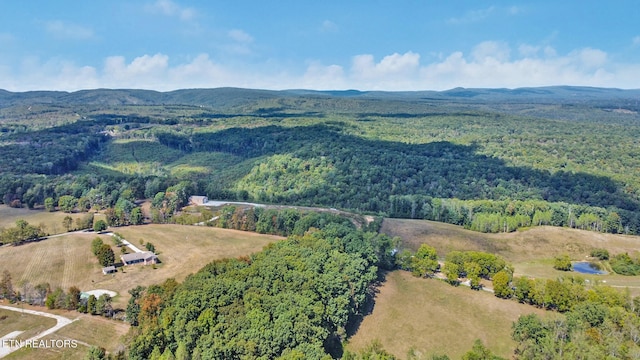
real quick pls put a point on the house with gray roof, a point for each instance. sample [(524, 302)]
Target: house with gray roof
[(144, 258)]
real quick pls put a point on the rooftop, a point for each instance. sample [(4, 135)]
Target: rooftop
[(145, 255)]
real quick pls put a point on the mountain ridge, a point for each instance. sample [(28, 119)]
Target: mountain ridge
[(230, 96)]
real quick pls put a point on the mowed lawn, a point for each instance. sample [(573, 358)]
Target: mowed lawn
[(433, 317), (62, 261), (67, 260), (531, 251)]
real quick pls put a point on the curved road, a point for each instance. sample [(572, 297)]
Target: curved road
[(351, 216), (61, 322)]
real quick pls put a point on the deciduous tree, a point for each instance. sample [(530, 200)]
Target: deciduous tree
[(501, 284), (73, 298), (99, 226), (67, 203), (105, 255), (136, 216), (562, 263), (6, 286), (49, 204), (425, 261), (67, 223), (91, 304), (96, 244)]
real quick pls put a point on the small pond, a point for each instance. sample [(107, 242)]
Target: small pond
[(585, 267)]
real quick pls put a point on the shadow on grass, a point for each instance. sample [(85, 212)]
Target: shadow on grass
[(333, 345)]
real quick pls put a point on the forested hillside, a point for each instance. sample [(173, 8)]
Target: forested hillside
[(491, 160), (294, 299)]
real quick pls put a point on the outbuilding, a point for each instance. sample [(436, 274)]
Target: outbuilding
[(109, 270), (198, 200)]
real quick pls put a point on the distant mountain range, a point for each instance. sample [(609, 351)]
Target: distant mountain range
[(228, 97)]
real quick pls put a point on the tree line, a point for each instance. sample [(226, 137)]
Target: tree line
[(42, 295)]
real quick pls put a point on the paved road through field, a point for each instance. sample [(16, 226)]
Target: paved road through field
[(61, 322)]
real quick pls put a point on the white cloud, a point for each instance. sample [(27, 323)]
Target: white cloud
[(580, 67), (393, 70), (589, 58), (526, 50), (479, 15), (51, 74), (473, 16), (240, 43), (489, 64), (65, 30), (329, 26), (514, 10), (201, 72), (364, 66), (319, 76), (146, 71), (240, 36), (170, 8), (636, 40), (489, 51)]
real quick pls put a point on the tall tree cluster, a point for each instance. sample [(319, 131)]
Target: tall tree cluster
[(292, 298)]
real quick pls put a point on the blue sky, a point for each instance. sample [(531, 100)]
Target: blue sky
[(348, 44)]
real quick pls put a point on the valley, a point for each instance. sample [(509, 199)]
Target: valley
[(347, 182)]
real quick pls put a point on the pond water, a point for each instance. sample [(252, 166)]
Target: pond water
[(585, 267)]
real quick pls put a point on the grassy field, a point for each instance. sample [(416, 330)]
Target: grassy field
[(433, 317), (52, 221), (137, 156), (88, 329), (49, 354), (30, 324), (530, 251), (526, 245), (95, 330), (62, 261), (67, 260)]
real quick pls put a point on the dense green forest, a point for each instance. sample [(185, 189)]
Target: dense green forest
[(296, 299), (491, 161)]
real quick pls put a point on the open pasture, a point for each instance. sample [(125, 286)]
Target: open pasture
[(531, 251), (182, 250), (52, 221), (433, 317), (62, 261), (67, 260)]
